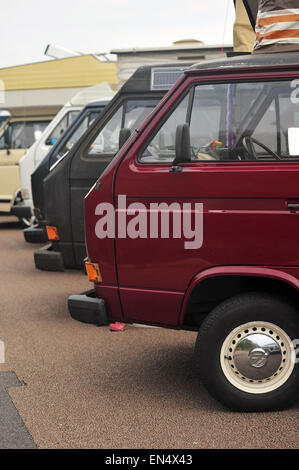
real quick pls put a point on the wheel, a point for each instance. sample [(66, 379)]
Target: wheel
[(247, 353)]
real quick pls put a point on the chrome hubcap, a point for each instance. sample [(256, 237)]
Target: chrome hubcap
[(257, 357)]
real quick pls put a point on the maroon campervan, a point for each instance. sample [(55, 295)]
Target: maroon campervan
[(225, 143)]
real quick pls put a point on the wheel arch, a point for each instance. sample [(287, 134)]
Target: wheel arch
[(210, 287)]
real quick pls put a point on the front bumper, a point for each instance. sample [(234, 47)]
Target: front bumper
[(88, 308), (35, 234), (21, 211), (47, 259)]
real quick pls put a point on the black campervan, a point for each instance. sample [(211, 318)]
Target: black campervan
[(37, 232), (71, 178)]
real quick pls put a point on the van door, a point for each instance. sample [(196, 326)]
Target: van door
[(239, 184), (96, 154), (59, 151)]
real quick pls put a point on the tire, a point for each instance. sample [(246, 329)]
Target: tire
[(247, 354)]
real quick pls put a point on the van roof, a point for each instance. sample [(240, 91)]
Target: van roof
[(247, 61), (94, 104), (142, 78)]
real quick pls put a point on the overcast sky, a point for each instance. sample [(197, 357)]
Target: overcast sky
[(27, 26)]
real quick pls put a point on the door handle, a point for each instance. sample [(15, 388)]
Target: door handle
[(293, 207)]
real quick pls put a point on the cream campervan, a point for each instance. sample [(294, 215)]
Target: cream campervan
[(17, 134)]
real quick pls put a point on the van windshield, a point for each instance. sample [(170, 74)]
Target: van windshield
[(62, 126), (22, 134)]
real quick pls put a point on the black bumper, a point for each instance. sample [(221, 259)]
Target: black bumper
[(22, 212), (47, 259), (35, 234), (88, 308)]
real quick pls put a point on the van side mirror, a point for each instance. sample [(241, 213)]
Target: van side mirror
[(293, 140), (51, 141), (7, 148), (182, 145), (124, 135)]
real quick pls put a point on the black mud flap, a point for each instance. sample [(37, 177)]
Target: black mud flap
[(35, 234), (87, 308), (48, 260)]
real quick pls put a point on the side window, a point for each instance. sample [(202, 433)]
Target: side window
[(107, 140), (130, 115), (266, 130), (205, 123), (281, 115), (92, 116), (76, 135), (61, 127), (5, 139), (162, 146), (4, 123), (137, 111), (289, 119), (233, 122)]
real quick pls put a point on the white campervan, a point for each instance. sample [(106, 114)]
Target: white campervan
[(23, 208)]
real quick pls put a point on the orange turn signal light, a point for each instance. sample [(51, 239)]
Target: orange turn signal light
[(52, 233), (93, 272)]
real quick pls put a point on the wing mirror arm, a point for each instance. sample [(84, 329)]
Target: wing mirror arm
[(182, 148)]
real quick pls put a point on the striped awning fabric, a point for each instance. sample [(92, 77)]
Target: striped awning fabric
[(277, 26)]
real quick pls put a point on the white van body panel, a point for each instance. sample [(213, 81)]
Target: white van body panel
[(38, 151)]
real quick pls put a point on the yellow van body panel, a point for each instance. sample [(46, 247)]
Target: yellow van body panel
[(9, 177), (9, 169)]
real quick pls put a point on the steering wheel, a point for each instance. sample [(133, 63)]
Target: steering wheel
[(249, 147)]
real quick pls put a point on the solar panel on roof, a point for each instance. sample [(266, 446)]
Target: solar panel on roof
[(163, 78)]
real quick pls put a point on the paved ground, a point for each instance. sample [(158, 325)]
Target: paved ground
[(85, 387)]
